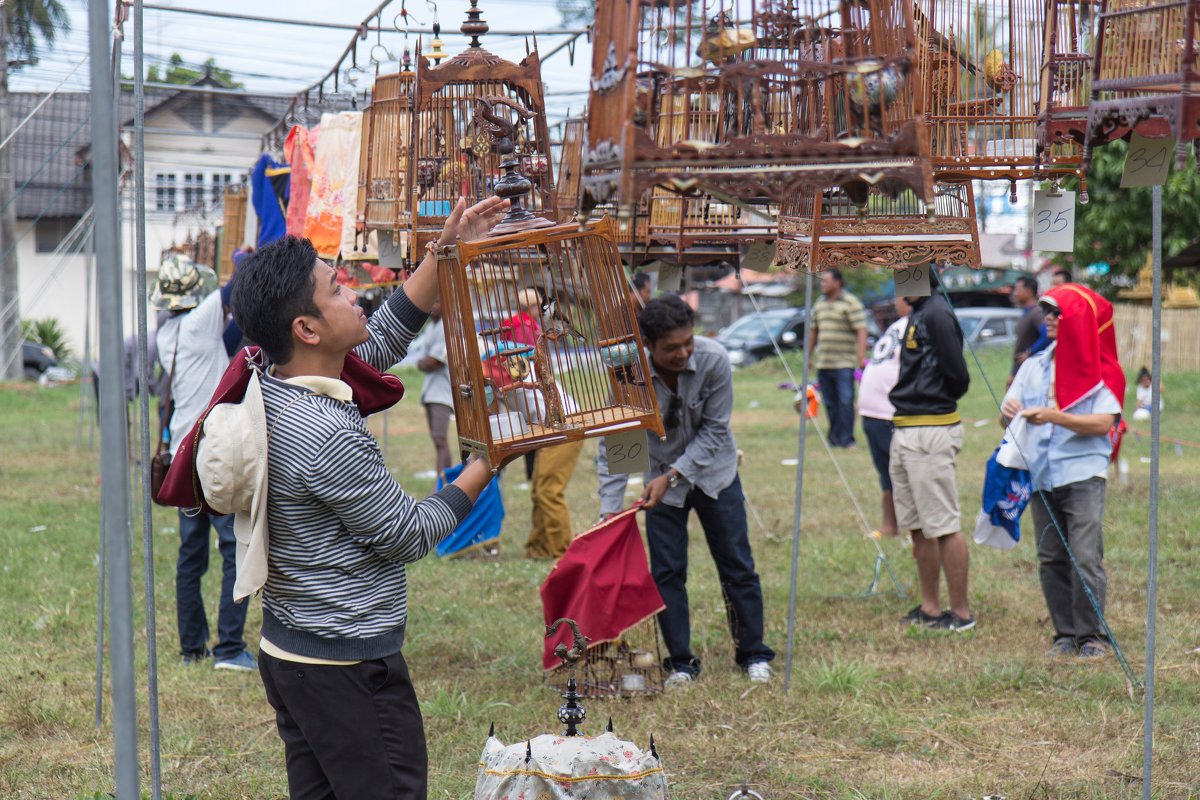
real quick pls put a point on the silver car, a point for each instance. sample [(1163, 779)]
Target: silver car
[(989, 327)]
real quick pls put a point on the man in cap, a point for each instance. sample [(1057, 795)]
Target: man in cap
[(1069, 394), (193, 357)]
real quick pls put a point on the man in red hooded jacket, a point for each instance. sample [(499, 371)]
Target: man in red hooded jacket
[(1070, 396)]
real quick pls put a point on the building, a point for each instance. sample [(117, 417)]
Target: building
[(199, 139)]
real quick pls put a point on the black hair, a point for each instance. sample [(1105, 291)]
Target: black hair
[(640, 279), (836, 274), (274, 286), (1029, 282), (663, 315), (1143, 373), (1066, 273)]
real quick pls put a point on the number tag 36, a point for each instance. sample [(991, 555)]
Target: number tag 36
[(1054, 221)]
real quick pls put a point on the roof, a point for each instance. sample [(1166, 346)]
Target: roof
[(49, 154)]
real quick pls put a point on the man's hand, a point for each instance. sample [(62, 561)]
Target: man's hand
[(654, 491), (472, 223), (1040, 415)]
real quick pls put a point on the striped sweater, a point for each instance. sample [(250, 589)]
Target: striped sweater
[(341, 528)]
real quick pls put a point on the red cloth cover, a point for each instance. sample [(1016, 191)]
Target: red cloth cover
[(603, 582), (1087, 346), (373, 391)]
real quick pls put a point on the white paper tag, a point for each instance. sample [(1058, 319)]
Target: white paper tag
[(1148, 161), (670, 277), (1054, 221), (627, 452), (913, 281), (391, 249)]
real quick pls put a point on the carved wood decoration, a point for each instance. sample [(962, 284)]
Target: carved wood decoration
[(750, 100), (568, 365), (829, 229), (1145, 73), (450, 156), (233, 229)]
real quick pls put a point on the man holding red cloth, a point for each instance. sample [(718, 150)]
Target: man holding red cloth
[(1070, 394)]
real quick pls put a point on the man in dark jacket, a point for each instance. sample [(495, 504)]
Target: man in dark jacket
[(928, 435)]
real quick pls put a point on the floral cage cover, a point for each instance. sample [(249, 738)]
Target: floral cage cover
[(569, 768)]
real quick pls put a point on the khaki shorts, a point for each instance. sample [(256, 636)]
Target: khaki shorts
[(924, 490)]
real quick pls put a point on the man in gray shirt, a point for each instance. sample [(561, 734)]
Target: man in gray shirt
[(694, 469)]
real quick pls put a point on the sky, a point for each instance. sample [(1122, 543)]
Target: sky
[(285, 59)]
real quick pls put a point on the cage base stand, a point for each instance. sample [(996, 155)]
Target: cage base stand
[(873, 589)]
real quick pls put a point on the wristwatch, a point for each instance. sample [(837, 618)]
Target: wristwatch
[(672, 478)]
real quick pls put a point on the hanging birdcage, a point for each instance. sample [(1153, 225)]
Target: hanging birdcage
[(1145, 73), (542, 342), (451, 155), (830, 229), (387, 128), (570, 168), (750, 101), (628, 667), (1065, 84)]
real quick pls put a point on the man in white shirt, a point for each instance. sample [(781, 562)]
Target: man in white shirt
[(193, 357)]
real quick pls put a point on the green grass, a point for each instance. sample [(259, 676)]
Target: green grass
[(875, 711)]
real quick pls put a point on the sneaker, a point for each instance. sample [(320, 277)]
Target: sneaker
[(1063, 646), (678, 680), (949, 621), (194, 658), (1094, 649), (919, 617), (759, 672), (242, 662)]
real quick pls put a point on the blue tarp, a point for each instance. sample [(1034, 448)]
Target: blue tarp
[(482, 525)]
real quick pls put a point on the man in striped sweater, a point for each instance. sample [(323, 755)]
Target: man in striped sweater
[(341, 528)]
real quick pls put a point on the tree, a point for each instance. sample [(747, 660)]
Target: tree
[(179, 73), (1115, 226), (24, 25), (576, 12)]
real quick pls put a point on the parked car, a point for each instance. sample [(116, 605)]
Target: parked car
[(989, 327), (37, 358), (748, 338)]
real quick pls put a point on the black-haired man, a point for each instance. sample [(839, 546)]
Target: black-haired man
[(1031, 335), (694, 469), (839, 345), (341, 528)]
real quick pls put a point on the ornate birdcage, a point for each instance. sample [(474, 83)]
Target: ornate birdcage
[(830, 229), (451, 155), (387, 131), (628, 667), (750, 101), (570, 168), (1145, 69), (559, 363)]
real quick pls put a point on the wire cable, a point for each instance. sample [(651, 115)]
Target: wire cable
[(43, 102)]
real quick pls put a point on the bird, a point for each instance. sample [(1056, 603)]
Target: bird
[(555, 323)]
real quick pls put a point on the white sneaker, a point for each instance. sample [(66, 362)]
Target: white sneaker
[(759, 672), (678, 680)]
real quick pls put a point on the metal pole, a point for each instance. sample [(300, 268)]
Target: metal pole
[(144, 368), (803, 389), (85, 367), (114, 464), (1155, 418)]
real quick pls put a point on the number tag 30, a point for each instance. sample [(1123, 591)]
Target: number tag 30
[(627, 452), (1054, 221)]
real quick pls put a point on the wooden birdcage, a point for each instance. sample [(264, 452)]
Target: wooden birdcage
[(1145, 68), (450, 155), (829, 229), (628, 667), (1065, 85), (750, 100), (986, 68), (387, 128), (233, 229), (576, 370), (570, 168)]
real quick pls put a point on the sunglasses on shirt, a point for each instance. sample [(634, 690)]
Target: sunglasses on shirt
[(671, 420)]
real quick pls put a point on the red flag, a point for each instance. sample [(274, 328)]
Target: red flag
[(603, 582)]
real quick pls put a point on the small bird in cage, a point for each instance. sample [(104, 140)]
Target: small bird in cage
[(556, 324)]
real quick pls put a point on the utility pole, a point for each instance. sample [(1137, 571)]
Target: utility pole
[(11, 367)]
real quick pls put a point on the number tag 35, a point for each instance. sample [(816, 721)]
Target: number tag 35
[(1054, 221)]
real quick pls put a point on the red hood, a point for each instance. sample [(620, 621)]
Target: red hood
[(1086, 355)]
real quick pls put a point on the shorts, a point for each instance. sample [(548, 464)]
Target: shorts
[(879, 440), (924, 488)]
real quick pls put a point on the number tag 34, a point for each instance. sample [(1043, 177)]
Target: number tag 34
[(1054, 221)]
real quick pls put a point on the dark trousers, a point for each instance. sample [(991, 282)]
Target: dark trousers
[(724, 524), (349, 733), (1079, 509), (194, 546), (837, 392), (879, 441)]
